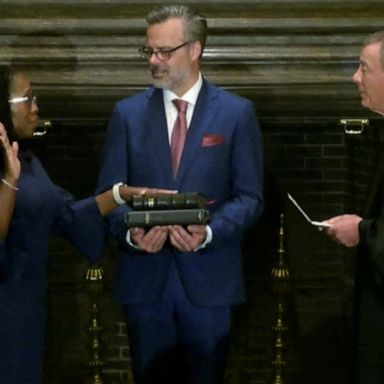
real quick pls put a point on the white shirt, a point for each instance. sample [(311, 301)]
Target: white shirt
[(170, 109)]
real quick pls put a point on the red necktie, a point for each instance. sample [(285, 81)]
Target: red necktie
[(179, 134)]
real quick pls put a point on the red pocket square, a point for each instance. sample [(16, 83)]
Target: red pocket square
[(212, 139)]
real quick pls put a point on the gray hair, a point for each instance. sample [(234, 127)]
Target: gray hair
[(377, 37), (195, 24)]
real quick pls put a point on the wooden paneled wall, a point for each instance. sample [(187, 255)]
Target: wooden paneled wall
[(294, 58)]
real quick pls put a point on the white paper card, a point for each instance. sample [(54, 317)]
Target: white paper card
[(301, 210)]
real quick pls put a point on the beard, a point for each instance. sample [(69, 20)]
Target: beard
[(165, 78), (162, 84)]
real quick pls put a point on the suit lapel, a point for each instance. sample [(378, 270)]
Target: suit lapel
[(156, 125), (201, 120)]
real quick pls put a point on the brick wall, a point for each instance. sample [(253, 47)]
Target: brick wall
[(311, 162)]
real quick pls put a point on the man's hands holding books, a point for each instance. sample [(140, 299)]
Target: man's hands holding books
[(187, 240), (183, 239), (149, 241)]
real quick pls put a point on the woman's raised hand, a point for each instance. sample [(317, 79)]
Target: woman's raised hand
[(11, 159)]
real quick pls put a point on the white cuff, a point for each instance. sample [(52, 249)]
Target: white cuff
[(208, 239), (116, 194), (129, 241)]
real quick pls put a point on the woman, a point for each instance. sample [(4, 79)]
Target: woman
[(31, 207)]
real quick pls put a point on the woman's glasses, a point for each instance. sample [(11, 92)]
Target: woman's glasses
[(23, 99)]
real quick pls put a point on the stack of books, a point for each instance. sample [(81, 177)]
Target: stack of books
[(171, 209)]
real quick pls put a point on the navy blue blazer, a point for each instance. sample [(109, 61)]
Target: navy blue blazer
[(222, 160)]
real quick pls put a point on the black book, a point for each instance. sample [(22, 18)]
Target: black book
[(166, 217), (189, 200)]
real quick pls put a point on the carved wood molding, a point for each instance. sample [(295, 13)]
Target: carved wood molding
[(293, 58)]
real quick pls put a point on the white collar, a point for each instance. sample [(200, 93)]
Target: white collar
[(190, 96)]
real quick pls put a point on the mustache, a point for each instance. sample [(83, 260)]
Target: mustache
[(158, 68)]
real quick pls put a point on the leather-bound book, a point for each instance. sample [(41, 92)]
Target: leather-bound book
[(151, 218), (189, 200)]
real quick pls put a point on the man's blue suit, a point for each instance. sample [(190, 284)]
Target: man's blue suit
[(222, 160)]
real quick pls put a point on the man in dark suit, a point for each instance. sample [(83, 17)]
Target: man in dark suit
[(177, 285), (368, 233)]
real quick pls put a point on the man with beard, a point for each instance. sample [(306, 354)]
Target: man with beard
[(177, 284), (367, 234)]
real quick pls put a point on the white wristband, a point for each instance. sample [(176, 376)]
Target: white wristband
[(116, 194)]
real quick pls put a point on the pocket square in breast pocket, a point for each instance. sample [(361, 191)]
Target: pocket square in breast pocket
[(210, 139)]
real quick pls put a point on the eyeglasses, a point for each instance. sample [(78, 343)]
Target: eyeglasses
[(161, 54), (23, 99)]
